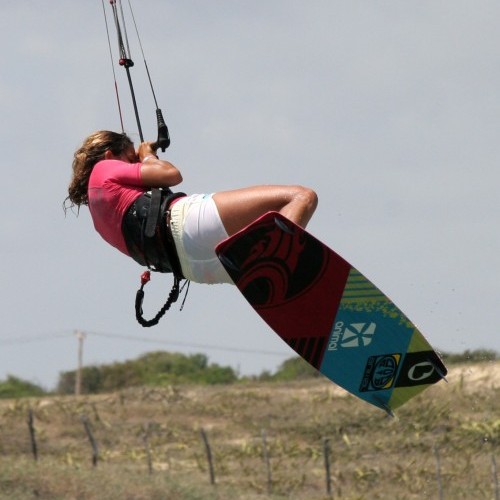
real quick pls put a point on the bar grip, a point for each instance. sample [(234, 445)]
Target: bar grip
[(163, 141)]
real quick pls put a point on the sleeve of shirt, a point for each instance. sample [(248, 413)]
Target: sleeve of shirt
[(126, 174)]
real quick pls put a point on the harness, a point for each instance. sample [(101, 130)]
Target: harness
[(147, 234)]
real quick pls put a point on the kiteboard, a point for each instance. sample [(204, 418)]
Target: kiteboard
[(329, 313)]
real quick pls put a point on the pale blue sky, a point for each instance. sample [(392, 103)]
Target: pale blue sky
[(390, 110)]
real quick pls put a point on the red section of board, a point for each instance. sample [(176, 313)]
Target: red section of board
[(283, 271)]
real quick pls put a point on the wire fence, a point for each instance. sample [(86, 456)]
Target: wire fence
[(328, 465)]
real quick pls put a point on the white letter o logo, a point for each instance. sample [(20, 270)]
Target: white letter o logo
[(424, 370)]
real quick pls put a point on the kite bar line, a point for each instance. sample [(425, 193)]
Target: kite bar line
[(163, 140), (113, 68), (125, 60)]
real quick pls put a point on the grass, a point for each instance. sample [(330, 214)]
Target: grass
[(372, 455)]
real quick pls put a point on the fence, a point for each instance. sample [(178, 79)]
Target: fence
[(299, 451)]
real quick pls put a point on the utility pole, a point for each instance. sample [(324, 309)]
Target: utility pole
[(78, 379)]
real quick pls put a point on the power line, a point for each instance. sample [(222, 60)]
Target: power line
[(31, 339), (186, 344), (69, 335)]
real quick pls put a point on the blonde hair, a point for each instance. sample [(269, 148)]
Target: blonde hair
[(92, 151)]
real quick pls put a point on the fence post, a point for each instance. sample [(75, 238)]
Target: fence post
[(496, 486), (267, 461), (145, 437), (31, 426), (209, 456), (326, 454), (438, 473), (93, 444)]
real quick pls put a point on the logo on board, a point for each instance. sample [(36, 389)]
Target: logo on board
[(419, 368), (351, 335), (380, 372)]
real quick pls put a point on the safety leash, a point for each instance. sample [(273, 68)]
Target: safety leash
[(172, 297), (139, 298)]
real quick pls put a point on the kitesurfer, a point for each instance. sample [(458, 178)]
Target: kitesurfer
[(115, 181)]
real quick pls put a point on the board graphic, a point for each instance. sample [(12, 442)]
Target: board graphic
[(329, 313)]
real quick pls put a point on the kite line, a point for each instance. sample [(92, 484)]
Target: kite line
[(125, 60)]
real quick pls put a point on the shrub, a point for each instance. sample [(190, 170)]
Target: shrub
[(15, 387)]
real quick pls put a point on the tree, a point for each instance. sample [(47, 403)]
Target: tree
[(15, 387), (295, 368), (154, 368)]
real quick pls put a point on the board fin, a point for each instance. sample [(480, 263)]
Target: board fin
[(228, 263), (439, 371), (284, 227)]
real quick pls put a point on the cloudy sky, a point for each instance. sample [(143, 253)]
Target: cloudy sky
[(389, 110)]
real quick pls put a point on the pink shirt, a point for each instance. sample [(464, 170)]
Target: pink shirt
[(113, 186)]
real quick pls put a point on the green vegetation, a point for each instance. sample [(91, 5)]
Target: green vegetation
[(15, 387), (292, 369), (165, 368), (476, 356), (152, 369)]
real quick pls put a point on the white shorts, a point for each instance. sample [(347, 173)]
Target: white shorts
[(196, 229)]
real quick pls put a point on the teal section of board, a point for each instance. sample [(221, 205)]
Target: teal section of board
[(329, 313), (374, 337)]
